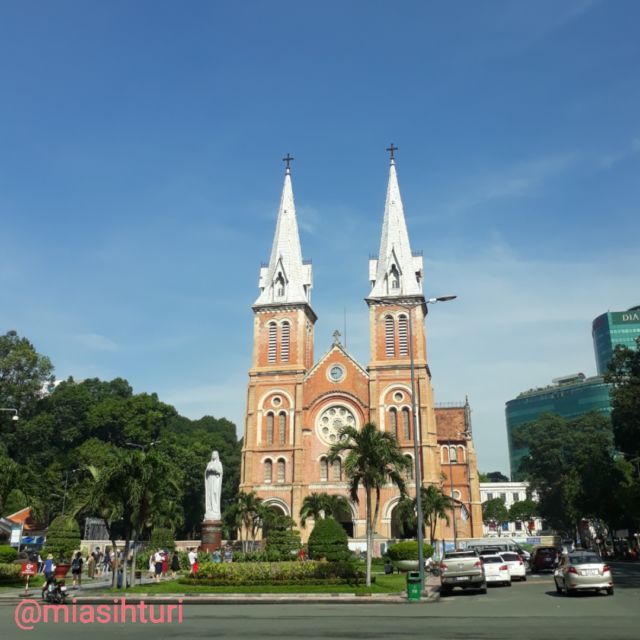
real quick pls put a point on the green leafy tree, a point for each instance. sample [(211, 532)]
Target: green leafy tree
[(23, 374), (283, 539), (495, 512), (373, 459), (436, 505), (248, 512), (571, 466), (16, 500), (523, 511)]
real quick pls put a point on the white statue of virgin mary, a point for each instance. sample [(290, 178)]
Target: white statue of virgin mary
[(213, 488)]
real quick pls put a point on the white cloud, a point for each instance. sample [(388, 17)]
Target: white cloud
[(608, 160)]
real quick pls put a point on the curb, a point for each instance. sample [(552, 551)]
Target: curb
[(431, 596)]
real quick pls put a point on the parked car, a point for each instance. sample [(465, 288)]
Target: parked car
[(516, 564), (580, 571), (462, 569), (496, 570), (543, 559)]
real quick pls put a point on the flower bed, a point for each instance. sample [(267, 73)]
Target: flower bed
[(275, 573)]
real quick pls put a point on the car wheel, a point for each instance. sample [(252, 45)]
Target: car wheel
[(610, 591), (445, 591), (558, 589), (524, 578), (508, 584), (483, 590)]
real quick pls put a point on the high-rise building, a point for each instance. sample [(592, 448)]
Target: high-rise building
[(612, 329), (297, 405), (570, 397)]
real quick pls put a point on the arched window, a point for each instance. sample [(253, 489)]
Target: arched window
[(394, 277), (273, 335), (337, 470), (406, 424), (279, 285), (284, 343), (409, 468), (268, 470), (282, 427), (403, 335), (324, 470), (453, 454), (281, 470), (389, 336), (393, 421), (269, 428)]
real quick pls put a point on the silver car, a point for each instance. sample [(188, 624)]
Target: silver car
[(579, 571)]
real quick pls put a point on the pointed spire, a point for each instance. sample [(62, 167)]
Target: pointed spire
[(286, 279), (396, 272)]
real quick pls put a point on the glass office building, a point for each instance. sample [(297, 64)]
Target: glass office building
[(569, 397), (611, 329)]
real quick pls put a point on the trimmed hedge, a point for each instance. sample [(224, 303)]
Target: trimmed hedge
[(408, 551), (9, 572), (7, 554), (329, 540), (63, 538), (273, 573)]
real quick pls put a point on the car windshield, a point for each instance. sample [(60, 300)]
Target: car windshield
[(547, 552), (590, 558), (491, 559), (511, 557), (461, 554)]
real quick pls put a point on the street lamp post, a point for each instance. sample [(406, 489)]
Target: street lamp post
[(417, 439), (15, 417), (453, 501), (66, 484)]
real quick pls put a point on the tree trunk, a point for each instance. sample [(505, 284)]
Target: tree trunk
[(114, 566), (369, 536)]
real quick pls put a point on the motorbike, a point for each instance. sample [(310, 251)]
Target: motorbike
[(55, 592)]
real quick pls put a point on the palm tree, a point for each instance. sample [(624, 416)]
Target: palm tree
[(313, 506), (249, 514), (373, 459), (321, 505), (436, 505)]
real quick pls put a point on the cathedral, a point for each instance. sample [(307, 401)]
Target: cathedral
[(297, 405)]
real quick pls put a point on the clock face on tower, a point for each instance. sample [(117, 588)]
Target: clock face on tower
[(336, 373), (331, 420)]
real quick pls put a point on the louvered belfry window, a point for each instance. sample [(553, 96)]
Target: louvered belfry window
[(324, 470), (393, 421), (403, 341), (284, 343), (281, 470), (389, 336), (406, 424), (268, 468), (273, 336), (269, 428), (282, 425)]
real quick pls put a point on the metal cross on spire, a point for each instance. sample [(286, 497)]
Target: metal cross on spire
[(391, 151), (288, 158)]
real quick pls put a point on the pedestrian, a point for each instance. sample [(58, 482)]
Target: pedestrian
[(216, 557), (97, 558), (152, 565), (49, 573), (40, 563), (175, 563), (157, 559), (165, 563), (193, 562), (228, 554), (76, 570), (301, 554)]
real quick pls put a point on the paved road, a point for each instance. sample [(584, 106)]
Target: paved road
[(525, 611)]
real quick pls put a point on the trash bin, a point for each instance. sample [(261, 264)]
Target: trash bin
[(414, 585)]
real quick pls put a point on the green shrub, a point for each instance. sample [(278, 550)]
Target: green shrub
[(274, 573), (162, 538), (16, 500), (63, 538), (408, 551), (329, 540), (7, 554), (9, 572)]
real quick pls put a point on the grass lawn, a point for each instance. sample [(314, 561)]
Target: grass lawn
[(383, 584)]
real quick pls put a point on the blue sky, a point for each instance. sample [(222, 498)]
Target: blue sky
[(140, 174)]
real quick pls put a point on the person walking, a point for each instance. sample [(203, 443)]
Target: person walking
[(175, 563), (165, 563), (49, 573), (157, 559), (152, 565), (193, 562), (76, 570)]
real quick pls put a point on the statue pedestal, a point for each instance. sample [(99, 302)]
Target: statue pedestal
[(211, 535)]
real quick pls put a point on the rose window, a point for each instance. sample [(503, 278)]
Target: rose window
[(330, 422)]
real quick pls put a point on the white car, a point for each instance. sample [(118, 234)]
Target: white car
[(496, 570), (517, 567)]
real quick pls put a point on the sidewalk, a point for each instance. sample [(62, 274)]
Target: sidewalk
[(91, 594)]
